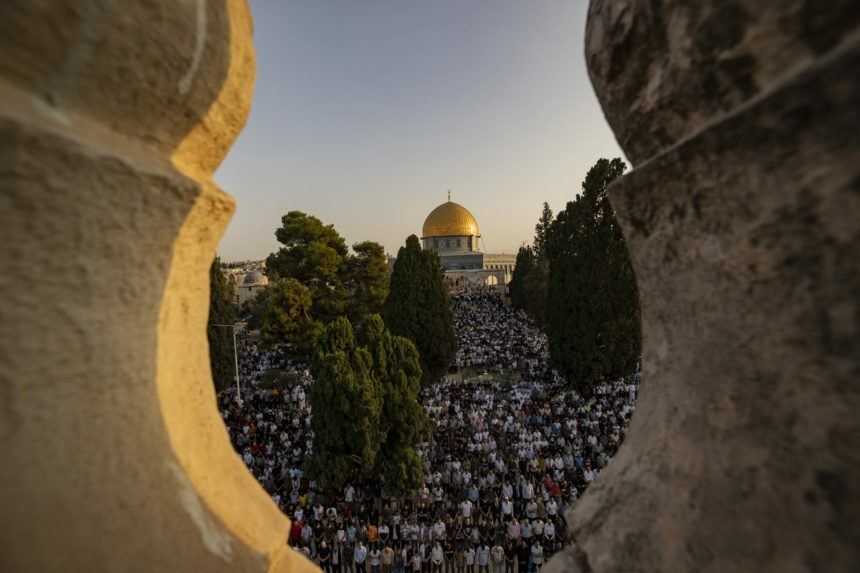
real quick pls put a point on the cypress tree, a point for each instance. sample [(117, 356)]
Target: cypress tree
[(594, 329), (346, 400), (403, 422), (221, 311), (522, 269), (417, 308)]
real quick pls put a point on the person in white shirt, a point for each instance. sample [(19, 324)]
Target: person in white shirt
[(552, 507), (469, 558), (437, 557), (531, 509), (528, 491), (497, 559), (507, 507), (537, 555), (466, 508), (375, 559), (549, 534), (439, 529)]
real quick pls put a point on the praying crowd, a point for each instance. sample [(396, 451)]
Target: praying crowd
[(503, 463)]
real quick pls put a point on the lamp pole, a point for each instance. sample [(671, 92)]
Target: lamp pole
[(235, 359)]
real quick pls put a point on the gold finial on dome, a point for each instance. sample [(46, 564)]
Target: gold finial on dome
[(450, 220)]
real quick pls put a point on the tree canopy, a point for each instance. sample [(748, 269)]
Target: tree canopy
[(417, 308), (316, 280)]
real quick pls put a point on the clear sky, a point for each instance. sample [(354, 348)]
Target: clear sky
[(366, 112)]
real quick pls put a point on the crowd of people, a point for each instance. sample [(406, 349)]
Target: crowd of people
[(506, 341), (503, 463)]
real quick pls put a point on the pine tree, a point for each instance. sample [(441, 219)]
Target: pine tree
[(313, 254), (287, 316), (221, 312), (594, 329), (417, 308), (317, 280)]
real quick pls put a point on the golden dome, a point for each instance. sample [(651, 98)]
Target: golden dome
[(450, 220)]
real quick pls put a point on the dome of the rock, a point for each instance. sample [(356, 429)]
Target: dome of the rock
[(450, 220)]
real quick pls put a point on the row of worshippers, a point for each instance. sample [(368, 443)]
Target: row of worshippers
[(436, 557)]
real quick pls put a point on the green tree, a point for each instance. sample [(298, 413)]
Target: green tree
[(287, 316), (417, 308), (366, 281), (403, 422), (537, 291), (326, 282), (542, 230), (524, 266), (221, 311), (346, 399), (594, 329), (313, 254)]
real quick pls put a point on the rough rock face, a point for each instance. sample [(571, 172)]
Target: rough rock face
[(664, 69), (742, 221), (113, 117)]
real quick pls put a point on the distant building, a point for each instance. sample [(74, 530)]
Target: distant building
[(452, 231), (251, 283)]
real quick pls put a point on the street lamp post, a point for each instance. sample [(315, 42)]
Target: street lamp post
[(235, 360)]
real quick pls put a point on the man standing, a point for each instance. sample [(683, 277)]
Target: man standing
[(375, 558), (523, 555), (469, 557), (484, 558), (349, 558), (510, 556), (549, 535), (360, 557), (537, 555), (324, 556), (497, 558), (387, 559), (437, 557)]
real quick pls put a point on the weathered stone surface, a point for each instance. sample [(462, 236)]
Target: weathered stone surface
[(112, 118), (742, 221), (664, 70)]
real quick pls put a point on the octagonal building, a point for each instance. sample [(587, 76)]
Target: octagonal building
[(453, 233)]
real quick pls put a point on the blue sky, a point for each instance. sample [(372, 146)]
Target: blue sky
[(366, 112)]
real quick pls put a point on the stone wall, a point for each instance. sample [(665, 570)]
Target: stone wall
[(741, 214), (113, 117)]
